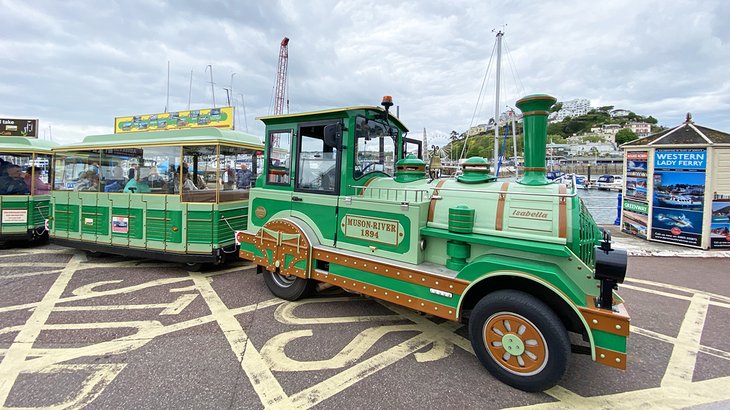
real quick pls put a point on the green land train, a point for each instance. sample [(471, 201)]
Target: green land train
[(522, 263), (168, 195), (25, 169)]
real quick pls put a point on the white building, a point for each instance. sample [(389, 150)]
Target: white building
[(619, 112), (572, 108), (641, 129)]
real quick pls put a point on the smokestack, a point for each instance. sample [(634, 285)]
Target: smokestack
[(534, 120)]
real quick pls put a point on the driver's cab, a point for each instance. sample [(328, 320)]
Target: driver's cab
[(315, 161)]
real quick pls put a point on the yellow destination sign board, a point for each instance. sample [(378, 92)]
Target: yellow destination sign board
[(207, 117)]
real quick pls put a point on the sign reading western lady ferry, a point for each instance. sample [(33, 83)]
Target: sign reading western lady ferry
[(10, 127), (209, 117), (679, 192)]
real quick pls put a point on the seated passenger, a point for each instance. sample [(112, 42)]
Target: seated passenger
[(11, 182), (188, 184), (135, 186), (116, 182), (85, 181), (40, 187)]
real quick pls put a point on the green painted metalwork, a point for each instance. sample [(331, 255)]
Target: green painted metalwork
[(535, 112)]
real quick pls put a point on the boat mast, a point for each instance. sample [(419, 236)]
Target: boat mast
[(496, 103)]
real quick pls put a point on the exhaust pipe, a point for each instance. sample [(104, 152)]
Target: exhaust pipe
[(534, 119)]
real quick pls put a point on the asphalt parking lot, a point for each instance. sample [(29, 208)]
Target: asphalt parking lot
[(111, 332)]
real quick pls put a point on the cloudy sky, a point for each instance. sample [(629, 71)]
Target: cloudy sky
[(75, 65)]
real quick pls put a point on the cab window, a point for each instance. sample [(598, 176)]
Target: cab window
[(279, 166), (317, 167), (374, 147)]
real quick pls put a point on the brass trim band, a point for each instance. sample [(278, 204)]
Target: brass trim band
[(451, 285), (402, 299), (536, 112), (498, 224), (535, 169), (432, 204), (562, 212)]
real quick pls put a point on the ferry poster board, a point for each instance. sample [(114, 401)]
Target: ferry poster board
[(636, 171), (635, 218), (209, 117), (679, 192), (720, 226)]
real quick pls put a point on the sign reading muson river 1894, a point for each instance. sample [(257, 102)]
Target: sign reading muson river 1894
[(371, 229)]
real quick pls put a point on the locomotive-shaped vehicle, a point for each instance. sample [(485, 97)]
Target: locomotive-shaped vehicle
[(523, 263)]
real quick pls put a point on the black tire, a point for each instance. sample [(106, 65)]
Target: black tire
[(531, 329), (287, 287), (194, 267)]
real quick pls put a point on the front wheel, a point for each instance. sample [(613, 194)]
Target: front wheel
[(287, 287), (520, 340)]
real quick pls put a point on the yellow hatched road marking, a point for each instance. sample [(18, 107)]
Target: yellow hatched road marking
[(17, 353), (263, 381)]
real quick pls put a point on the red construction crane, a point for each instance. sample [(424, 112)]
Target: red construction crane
[(280, 92)]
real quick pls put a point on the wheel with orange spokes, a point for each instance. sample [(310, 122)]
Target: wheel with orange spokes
[(520, 340)]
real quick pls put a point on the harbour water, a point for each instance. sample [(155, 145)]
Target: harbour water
[(601, 204)]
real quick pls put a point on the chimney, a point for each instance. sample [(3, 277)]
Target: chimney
[(534, 119)]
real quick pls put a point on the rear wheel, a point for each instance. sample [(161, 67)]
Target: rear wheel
[(520, 340), (194, 267), (287, 287)]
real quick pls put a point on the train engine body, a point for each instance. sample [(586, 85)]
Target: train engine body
[(522, 263)]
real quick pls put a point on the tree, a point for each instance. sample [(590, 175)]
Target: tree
[(651, 120), (557, 107), (625, 135)]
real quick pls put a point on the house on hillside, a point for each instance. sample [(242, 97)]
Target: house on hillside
[(619, 112), (641, 129)]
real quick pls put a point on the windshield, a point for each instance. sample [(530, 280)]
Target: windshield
[(374, 147)]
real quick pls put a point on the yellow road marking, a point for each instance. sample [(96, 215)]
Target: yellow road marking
[(263, 381), (684, 354), (285, 313), (18, 351)]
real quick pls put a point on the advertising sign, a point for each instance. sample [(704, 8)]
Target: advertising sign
[(15, 216), (720, 226), (635, 218), (18, 128), (636, 168), (120, 224), (679, 191), (209, 117)]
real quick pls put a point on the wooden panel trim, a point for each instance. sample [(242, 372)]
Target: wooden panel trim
[(499, 222), (445, 284), (562, 212), (611, 358), (421, 305), (434, 198), (608, 321)]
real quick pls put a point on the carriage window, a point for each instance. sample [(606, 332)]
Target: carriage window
[(374, 147), (15, 173), (77, 171), (317, 167), (146, 170), (279, 164), (40, 174), (238, 170), (197, 175)]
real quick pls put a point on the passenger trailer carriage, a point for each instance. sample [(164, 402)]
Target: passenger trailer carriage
[(167, 195), (523, 263)]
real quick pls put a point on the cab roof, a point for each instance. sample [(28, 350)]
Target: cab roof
[(341, 112), (23, 144), (191, 136)]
